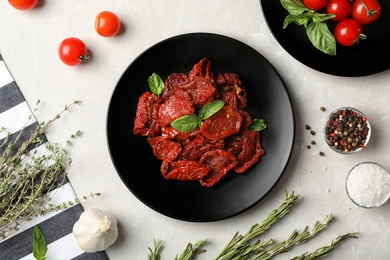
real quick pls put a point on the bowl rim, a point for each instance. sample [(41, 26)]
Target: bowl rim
[(346, 185), (368, 125)]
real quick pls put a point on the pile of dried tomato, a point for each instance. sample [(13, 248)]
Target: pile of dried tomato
[(221, 144)]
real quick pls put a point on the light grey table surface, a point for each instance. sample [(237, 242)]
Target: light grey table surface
[(28, 44)]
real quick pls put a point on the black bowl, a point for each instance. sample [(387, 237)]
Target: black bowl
[(370, 56)]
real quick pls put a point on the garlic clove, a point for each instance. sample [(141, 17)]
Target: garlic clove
[(95, 230)]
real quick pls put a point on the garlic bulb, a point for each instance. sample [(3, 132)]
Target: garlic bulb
[(96, 230)]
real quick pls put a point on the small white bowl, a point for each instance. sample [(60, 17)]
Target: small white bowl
[(354, 146), (368, 185)]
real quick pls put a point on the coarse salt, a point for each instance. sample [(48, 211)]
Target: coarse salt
[(368, 185)]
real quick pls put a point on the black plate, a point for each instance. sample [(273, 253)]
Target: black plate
[(133, 157), (368, 57)]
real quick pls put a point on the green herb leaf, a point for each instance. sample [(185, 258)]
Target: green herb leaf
[(189, 123), (156, 84), (301, 19), (294, 7), (317, 18), (39, 244), (185, 124), (321, 37), (316, 28), (210, 109), (258, 125)]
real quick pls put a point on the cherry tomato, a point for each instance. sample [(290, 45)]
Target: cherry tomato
[(73, 51), (23, 4), (348, 32), (315, 4), (107, 24), (366, 11), (341, 8)]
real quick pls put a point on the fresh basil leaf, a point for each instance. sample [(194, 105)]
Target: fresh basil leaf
[(210, 109), (39, 244), (294, 7), (321, 37), (185, 124), (317, 17), (258, 125), (156, 84), (301, 19)]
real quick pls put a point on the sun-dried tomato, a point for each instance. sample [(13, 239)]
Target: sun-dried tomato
[(174, 108), (146, 123), (164, 148), (199, 145), (251, 151), (202, 69), (220, 163), (224, 123), (202, 91), (232, 82), (184, 170)]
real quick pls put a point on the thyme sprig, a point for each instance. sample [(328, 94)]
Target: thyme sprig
[(28, 177)]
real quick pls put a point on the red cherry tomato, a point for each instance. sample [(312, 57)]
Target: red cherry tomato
[(341, 8), (348, 32), (366, 11), (73, 51), (23, 4), (107, 24), (315, 4)]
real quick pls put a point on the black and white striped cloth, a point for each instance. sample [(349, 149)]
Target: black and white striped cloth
[(56, 226)]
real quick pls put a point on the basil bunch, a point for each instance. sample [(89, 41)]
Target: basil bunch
[(316, 28)]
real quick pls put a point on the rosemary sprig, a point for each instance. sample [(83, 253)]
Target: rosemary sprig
[(27, 177), (239, 244), (242, 247), (294, 239), (191, 250), (155, 253), (324, 251)]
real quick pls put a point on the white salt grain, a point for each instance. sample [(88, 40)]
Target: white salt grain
[(368, 185)]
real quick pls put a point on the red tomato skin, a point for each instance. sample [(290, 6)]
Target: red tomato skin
[(23, 4), (341, 8), (107, 24), (366, 11), (72, 51), (347, 32), (315, 4)]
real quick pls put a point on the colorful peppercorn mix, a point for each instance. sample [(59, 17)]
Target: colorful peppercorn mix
[(346, 130)]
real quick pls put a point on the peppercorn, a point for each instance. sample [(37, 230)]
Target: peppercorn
[(307, 127), (308, 147), (312, 132), (322, 109), (313, 142), (321, 153)]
